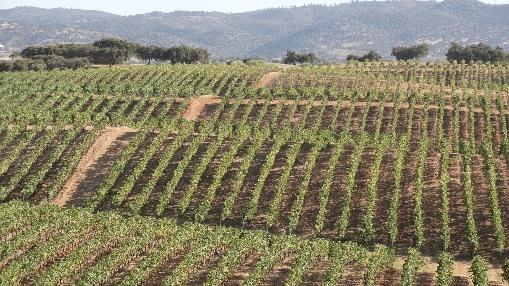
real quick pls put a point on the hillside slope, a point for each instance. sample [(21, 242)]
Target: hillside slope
[(331, 31)]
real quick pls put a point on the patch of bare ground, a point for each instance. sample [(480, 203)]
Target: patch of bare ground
[(457, 208), (388, 277), (180, 191), (424, 279), (482, 206), (279, 273), (479, 129), (250, 180), (311, 206), (146, 175), (290, 193), (270, 187), (94, 166), (407, 202), (385, 186), (352, 276), (149, 209), (336, 194), (360, 195), (431, 202), (205, 181), (317, 273), (269, 80), (502, 170), (226, 185), (196, 105)]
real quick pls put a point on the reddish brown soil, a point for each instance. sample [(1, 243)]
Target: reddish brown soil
[(93, 165), (197, 104), (269, 80)]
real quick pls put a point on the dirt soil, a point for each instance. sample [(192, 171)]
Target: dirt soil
[(100, 147), (269, 80), (460, 269), (197, 104)]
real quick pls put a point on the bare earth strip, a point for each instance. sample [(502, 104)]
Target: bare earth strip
[(269, 80), (196, 105), (77, 187)]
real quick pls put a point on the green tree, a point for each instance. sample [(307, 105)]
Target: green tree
[(411, 52), (371, 56), (474, 53), (149, 53), (186, 55), (116, 50), (109, 56), (292, 58)]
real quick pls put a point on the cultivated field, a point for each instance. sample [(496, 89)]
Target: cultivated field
[(359, 174)]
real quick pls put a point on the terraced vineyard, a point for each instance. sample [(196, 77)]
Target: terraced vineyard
[(373, 174)]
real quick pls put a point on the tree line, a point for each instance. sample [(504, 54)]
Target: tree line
[(112, 51), (473, 53), (102, 52)]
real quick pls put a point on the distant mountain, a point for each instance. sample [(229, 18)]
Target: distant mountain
[(330, 31)]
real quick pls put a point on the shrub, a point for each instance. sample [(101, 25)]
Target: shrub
[(20, 65), (36, 65), (6, 66)]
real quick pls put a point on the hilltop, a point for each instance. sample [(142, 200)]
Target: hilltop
[(330, 31)]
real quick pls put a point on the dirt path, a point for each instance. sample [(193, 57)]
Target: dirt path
[(74, 188), (269, 80), (196, 105)]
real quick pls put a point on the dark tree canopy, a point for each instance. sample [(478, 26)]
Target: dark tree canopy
[(292, 58), (43, 62), (371, 56), (186, 55), (109, 52), (114, 51), (474, 53), (6, 66), (411, 52), (149, 53)]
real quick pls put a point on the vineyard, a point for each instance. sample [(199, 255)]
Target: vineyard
[(358, 174)]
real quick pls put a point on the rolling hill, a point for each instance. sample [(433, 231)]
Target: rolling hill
[(330, 31)]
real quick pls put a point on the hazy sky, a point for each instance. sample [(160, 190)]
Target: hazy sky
[(129, 7)]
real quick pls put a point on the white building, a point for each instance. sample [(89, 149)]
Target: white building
[(2, 47)]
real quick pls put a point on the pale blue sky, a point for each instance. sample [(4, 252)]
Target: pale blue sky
[(128, 7)]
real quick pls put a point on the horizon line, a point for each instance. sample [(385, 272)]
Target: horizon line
[(241, 12)]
